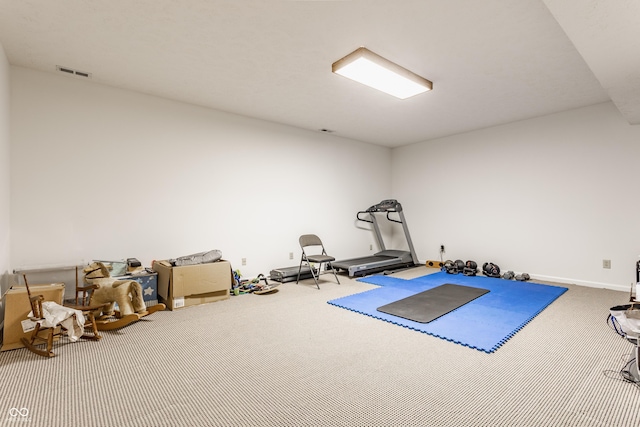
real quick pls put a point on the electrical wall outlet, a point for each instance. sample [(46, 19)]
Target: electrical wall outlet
[(442, 249), (244, 261), (370, 247), (606, 263), (290, 255)]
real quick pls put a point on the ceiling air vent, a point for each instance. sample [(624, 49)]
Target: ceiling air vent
[(73, 72)]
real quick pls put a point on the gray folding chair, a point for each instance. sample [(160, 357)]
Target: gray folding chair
[(309, 240)]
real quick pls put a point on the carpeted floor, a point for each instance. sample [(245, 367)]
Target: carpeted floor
[(291, 359)]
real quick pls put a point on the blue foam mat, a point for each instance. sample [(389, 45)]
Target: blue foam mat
[(484, 323)]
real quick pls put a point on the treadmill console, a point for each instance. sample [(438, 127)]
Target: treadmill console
[(386, 206)]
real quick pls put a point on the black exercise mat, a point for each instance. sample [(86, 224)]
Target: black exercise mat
[(433, 303)]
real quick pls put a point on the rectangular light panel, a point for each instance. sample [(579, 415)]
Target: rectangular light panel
[(372, 70)]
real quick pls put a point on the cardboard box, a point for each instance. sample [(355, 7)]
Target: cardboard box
[(17, 308), (188, 285), (149, 284)]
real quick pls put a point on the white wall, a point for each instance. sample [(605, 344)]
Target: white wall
[(102, 173), (98, 172), (552, 196), (5, 168)]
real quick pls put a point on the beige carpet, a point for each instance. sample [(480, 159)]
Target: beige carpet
[(291, 359)]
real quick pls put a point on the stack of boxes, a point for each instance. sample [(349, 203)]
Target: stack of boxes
[(176, 287)]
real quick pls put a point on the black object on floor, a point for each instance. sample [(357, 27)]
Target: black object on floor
[(433, 303)]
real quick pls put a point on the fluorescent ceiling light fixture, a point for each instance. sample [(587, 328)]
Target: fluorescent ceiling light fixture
[(373, 70)]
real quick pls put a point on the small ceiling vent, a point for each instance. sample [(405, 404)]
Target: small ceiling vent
[(73, 72)]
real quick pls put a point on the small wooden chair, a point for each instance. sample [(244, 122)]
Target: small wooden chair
[(47, 335), (83, 304), (37, 334), (40, 334)]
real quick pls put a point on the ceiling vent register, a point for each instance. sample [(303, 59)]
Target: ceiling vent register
[(73, 72)]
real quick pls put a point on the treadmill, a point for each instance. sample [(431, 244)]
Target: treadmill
[(386, 259)]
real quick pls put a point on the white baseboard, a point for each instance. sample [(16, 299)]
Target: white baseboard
[(611, 286), (564, 280)]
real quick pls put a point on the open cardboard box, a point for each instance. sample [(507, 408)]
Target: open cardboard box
[(188, 285), (17, 308)]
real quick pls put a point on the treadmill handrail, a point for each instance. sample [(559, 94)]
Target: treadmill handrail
[(362, 219), (372, 212), (393, 220)]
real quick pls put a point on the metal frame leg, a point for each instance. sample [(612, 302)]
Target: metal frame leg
[(334, 273)]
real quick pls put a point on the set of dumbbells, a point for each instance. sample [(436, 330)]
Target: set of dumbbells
[(489, 269)]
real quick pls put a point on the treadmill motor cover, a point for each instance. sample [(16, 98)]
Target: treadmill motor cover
[(289, 274)]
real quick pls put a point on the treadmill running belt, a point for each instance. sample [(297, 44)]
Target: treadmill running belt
[(433, 303)]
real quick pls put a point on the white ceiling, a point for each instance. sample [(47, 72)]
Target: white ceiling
[(491, 61)]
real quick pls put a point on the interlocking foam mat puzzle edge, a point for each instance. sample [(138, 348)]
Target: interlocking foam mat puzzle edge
[(484, 324)]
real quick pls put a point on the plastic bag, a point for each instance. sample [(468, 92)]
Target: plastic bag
[(626, 319), (199, 258)]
